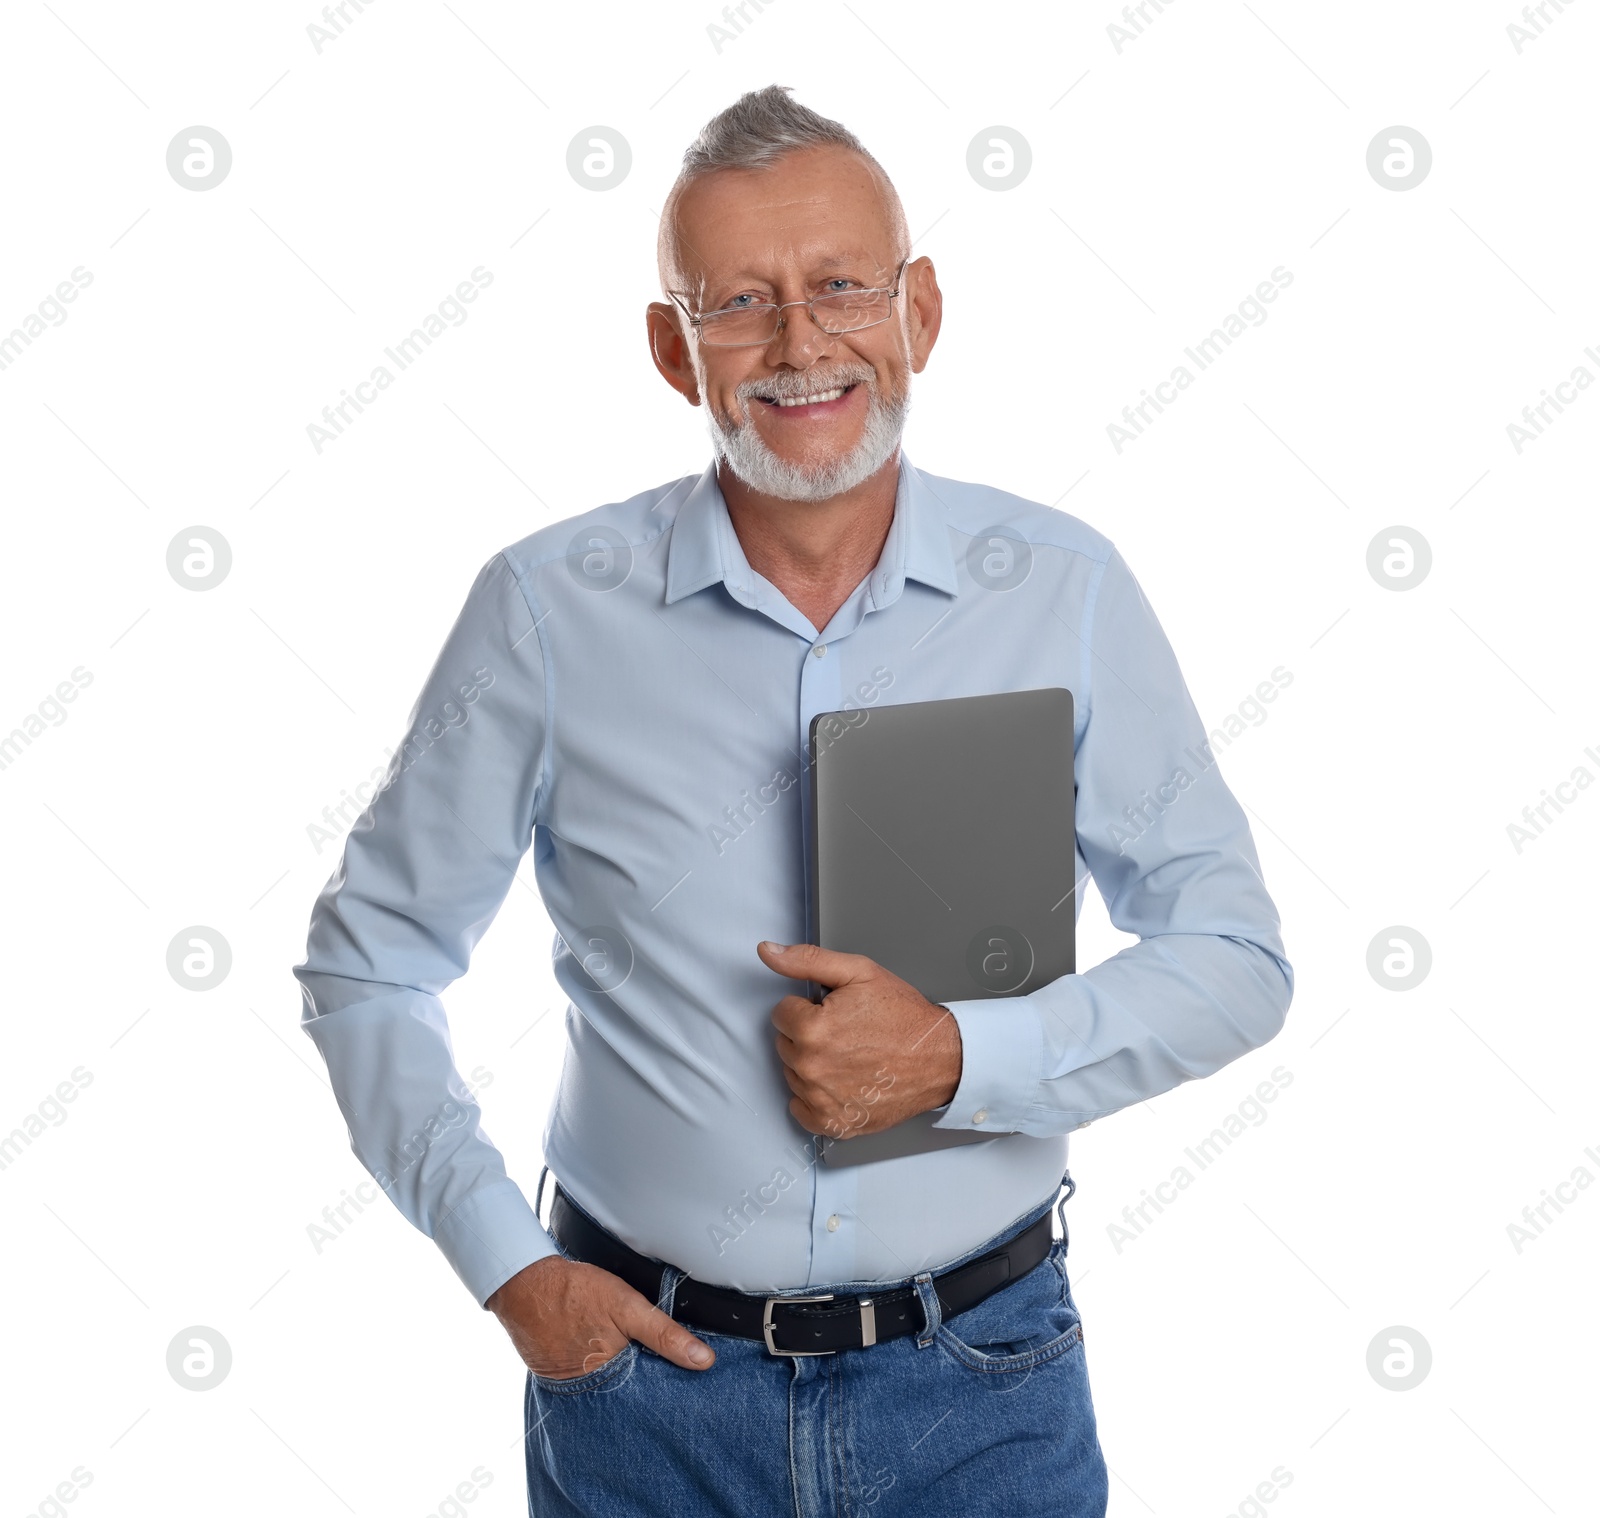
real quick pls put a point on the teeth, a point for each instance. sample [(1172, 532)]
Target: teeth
[(810, 400)]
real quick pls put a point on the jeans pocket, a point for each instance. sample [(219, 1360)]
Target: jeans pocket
[(1030, 1322), (614, 1372)]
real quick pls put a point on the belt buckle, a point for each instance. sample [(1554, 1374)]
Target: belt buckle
[(869, 1326), (768, 1326)]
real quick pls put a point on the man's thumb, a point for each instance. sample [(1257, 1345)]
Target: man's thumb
[(809, 961), (788, 958)]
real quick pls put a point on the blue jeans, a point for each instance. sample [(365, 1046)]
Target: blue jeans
[(987, 1412)]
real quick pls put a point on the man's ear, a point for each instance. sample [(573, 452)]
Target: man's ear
[(924, 311), (669, 350)]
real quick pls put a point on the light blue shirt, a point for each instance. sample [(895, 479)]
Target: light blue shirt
[(623, 691)]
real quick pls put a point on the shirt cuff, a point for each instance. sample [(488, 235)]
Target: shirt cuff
[(1002, 1064), (492, 1235)]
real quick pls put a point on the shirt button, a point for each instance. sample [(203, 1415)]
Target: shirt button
[(820, 650), (981, 1115), (833, 1222)]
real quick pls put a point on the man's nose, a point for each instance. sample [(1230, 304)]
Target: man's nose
[(799, 341)]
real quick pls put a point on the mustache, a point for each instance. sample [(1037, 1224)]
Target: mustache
[(788, 383)]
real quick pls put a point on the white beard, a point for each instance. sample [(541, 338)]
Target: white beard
[(748, 456)]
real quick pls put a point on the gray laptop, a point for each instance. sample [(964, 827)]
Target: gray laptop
[(941, 846)]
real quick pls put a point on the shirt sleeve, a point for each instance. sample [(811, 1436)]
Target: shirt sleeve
[(424, 871), (1171, 853)]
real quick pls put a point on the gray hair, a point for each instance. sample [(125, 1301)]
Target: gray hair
[(758, 129), (754, 133)]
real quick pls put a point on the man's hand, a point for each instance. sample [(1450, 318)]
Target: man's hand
[(567, 1319), (874, 1052)]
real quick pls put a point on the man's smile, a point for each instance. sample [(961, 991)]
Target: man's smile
[(815, 403)]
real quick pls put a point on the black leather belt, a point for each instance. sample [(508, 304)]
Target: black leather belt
[(800, 1325)]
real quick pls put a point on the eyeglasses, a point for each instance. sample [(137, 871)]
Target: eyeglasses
[(755, 325)]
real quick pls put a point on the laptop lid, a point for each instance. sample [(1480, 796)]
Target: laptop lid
[(942, 847)]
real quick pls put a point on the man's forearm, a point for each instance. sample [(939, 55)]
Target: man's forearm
[(1167, 1010), (415, 1125)]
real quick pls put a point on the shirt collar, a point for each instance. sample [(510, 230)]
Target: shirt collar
[(705, 548)]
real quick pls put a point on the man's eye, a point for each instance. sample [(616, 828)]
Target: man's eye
[(742, 303), (838, 286)]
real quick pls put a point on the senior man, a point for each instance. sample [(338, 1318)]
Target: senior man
[(717, 1320)]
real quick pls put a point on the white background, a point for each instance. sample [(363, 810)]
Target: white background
[(1230, 1337)]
